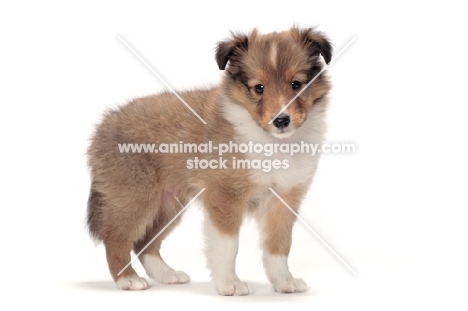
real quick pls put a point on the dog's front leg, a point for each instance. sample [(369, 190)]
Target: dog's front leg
[(277, 224), (222, 224)]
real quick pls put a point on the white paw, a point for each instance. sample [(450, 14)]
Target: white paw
[(172, 277), (290, 286), (159, 271), (132, 283), (233, 288)]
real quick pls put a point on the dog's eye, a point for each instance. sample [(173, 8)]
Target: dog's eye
[(295, 85), (259, 88)]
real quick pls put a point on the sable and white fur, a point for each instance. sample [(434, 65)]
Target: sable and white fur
[(133, 195)]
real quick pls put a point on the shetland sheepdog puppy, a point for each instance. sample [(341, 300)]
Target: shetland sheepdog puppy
[(134, 195)]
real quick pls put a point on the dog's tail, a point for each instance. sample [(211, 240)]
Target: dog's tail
[(94, 215)]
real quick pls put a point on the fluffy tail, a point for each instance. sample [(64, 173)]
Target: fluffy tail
[(94, 219)]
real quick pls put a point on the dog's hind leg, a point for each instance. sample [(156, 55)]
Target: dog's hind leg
[(118, 256), (125, 219), (155, 267)]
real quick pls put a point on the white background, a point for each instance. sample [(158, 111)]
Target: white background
[(395, 210)]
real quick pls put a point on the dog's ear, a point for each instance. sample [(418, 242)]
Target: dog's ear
[(230, 48), (314, 41)]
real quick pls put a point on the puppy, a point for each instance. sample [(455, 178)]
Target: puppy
[(134, 195)]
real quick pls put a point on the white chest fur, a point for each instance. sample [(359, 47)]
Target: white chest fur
[(296, 169)]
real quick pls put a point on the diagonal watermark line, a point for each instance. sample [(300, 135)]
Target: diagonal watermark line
[(160, 79), (311, 81), (314, 233), (162, 230)]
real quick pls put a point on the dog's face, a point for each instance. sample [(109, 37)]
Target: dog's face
[(266, 72)]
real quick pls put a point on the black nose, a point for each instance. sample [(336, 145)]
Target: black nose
[(282, 121)]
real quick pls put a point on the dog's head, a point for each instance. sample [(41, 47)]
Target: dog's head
[(265, 72)]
